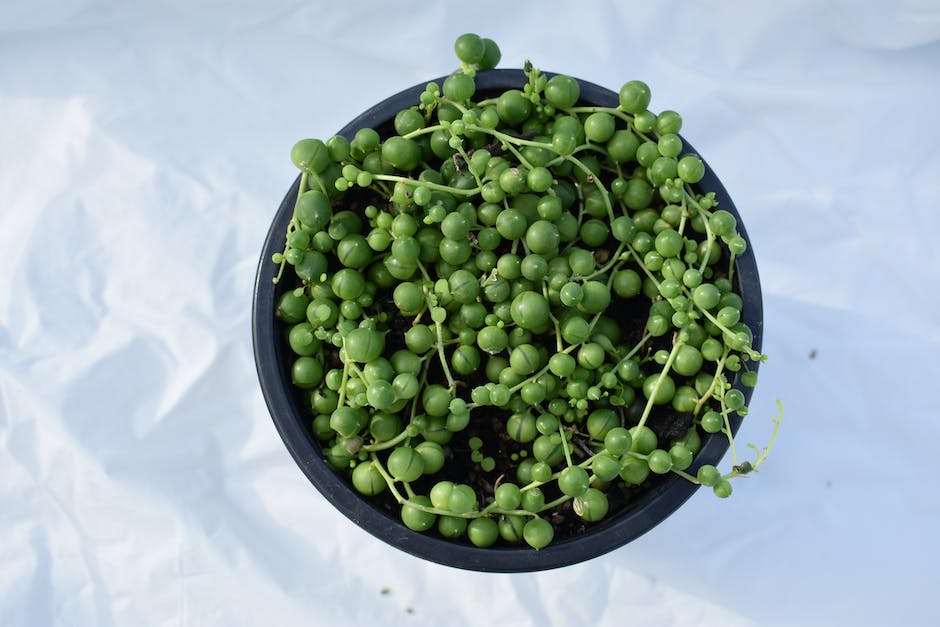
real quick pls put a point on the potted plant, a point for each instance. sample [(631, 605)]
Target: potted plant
[(508, 320)]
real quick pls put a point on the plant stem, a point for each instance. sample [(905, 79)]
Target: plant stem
[(292, 226), (440, 352), (662, 376), (342, 382), (727, 431), (597, 183), (466, 158), (711, 388), (555, 503), (435, 186), (686, 476), (381, 446), (636, 256), (614, 259), (508, 139), (564, 445), (388, 478), (762, 455), (423, 131)]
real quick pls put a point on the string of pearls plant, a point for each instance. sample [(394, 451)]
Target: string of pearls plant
[(475, 268)]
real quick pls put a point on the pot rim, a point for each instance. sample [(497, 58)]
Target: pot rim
[(615, 531)]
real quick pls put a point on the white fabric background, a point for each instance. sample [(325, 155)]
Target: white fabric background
[(143, 150)]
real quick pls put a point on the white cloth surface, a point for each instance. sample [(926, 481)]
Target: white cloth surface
[(143, 151)]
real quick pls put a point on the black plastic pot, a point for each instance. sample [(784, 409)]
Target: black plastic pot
[(271, 357)]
